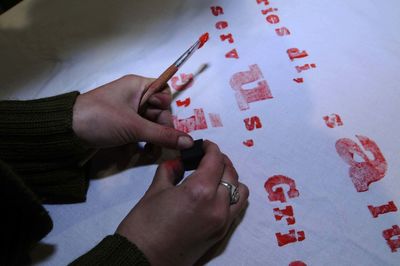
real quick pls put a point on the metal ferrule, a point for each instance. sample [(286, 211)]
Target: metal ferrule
[(186, 55)]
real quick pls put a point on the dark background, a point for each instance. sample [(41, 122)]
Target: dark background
[(6, 4)]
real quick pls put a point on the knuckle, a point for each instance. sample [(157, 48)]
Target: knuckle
[(130, 77), (201, 192)]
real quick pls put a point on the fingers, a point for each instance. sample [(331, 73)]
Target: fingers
[(168, 174), (211, 167), (161, 100), (230, 176), (162, 117), (162, 135)]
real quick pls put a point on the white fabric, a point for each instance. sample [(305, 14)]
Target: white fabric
[(49, 47)]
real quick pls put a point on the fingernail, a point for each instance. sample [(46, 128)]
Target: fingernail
[(185, 142)]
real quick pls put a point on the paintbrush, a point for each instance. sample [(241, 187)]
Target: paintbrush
[(159, 84)]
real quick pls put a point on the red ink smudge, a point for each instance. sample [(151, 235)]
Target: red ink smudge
[(394, 244), (284, 239), (278, 194), (333, 120), (215, 120), (362, 173), (203, 39), (248, 143), (376, 211), (287, 212)]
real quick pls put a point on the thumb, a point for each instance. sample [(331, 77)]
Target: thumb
[(163, 136), (168, 174)]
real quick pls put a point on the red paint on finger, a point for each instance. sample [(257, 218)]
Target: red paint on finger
[(203, 39)]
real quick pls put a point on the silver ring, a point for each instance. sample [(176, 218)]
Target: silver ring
[(233, 191)]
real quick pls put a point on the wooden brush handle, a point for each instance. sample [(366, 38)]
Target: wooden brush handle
[(158, 84)]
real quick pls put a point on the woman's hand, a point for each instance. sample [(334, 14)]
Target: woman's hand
[(176, 224), (108, 116)]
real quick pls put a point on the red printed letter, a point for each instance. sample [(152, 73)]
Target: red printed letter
[(215, 120), (362, 173), (273, 19), (217, 10), (246, 96), (184, 103), (333, 120), (298, 80), (290, 237), (388, 234), (294, 53), (288, 211), (227, 37), (376, 211), (266, 11), (282, 31), (278, 194), (263, 1), (248, 143), (232, 54), (305, 67), (195, 122), (252, 122), (186, 79), (297, 263), (221, 25)]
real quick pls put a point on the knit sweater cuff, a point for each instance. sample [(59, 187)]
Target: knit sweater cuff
[(42, 128), (113, 250), (38, 142)]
